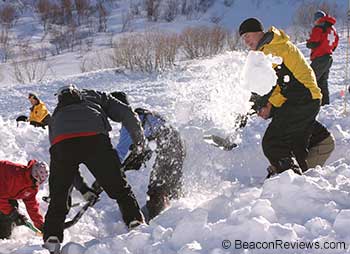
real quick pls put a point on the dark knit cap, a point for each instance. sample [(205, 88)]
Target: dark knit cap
[(121, 96), (33, 95), (319, 14), (250, 25)]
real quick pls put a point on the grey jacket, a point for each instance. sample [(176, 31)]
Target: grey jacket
[(91, 115)]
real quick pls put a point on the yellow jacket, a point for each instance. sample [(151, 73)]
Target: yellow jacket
[(296, 80), (38, 113)]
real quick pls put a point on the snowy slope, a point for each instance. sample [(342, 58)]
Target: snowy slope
[(28, 28), (225, 198)]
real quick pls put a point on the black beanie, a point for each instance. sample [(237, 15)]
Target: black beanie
[(121, 96), (250, 25)]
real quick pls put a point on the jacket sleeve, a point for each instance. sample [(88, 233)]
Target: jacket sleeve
[(302, 71), (315, 37), (32, 207), (118, 112), (276, 98)]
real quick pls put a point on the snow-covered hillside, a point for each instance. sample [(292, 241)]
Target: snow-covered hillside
[(226, 199), (88, 52)]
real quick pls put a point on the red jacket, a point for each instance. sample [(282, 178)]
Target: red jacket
[(324, 38), (16, 183)]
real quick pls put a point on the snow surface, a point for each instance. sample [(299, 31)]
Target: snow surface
[(226, 198)]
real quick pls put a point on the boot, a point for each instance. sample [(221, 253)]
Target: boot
[(52, 244), (271, 171), (134, 224), (286, 164)]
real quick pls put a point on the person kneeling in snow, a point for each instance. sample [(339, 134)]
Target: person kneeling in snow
[(17, 182), (293, 102), (165, 181), (320, 145), (39, 115)]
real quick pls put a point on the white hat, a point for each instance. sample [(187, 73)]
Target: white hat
[(40, 171), (66, 89)]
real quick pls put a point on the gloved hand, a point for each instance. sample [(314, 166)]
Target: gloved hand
[(134, 161), (22, 118), (265, 112), (17, 218), (90, 195)]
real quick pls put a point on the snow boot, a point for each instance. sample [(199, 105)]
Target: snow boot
[(52, 244), (271, 171), (134, 224)]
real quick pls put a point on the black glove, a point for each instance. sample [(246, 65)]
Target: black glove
[(135, 160), (258, 101), (17, 218), (37, 124), (22, 119)]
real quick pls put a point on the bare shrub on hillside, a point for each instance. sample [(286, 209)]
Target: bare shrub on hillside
[(97, 61), (5, 45), (83, 9), (166, 47), (298, 33), (43, 8), (8, 15), (147, 52), (135, 8), (152, 9), (233, 41), (56, 14), (170, 9), (102, 17), (203, 41), (204, 5), (30, 66), (191, 8), (67, 11), (65, 37), (127, 18)]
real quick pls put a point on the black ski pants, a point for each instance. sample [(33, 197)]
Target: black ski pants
[(289, 133), (166, 176), (321, 66), (97, 153), (6, 226)]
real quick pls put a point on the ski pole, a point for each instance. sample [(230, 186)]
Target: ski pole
[(33, 228)]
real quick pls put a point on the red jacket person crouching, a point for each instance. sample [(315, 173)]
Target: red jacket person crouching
[(20, 182)]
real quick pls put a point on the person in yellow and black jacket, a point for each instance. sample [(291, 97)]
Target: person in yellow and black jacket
[(39, 115), (293, 103)]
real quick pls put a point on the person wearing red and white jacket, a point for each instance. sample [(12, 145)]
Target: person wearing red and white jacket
[(20, 182), (322, 42)]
